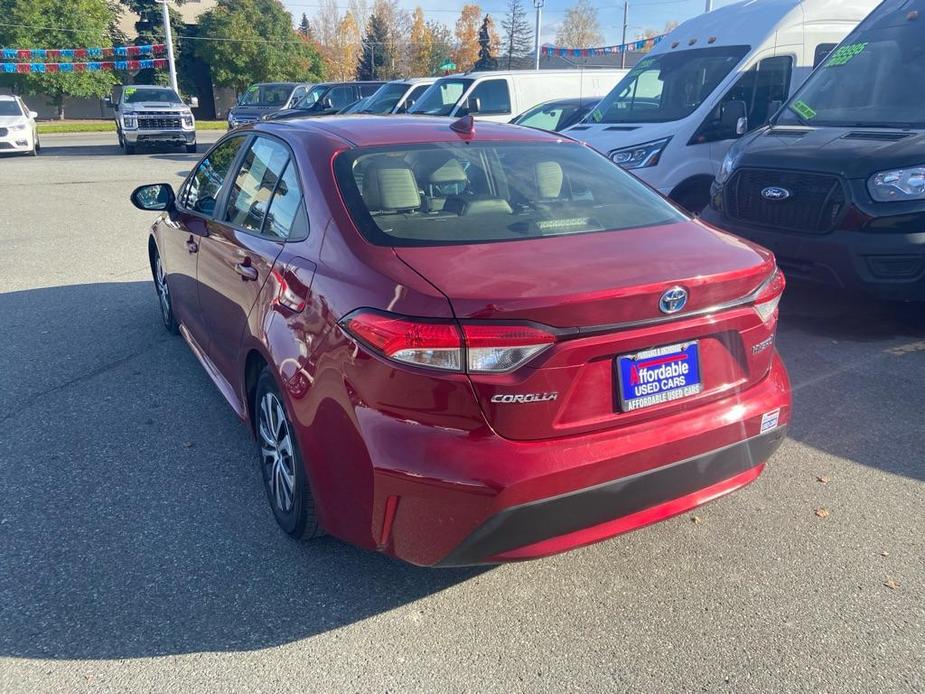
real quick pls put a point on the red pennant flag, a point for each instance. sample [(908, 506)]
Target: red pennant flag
[(134, 65), (160, 47), (51, 67), (107, 52), (80, 67), (107, 66), (80, 53), (22, 67), (54, 54), (24, 54), (160, 63), (133, 51)]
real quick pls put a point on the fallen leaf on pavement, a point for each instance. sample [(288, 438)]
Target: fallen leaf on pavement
[(822, 479), (891, 584), (696, 519), (822, 512)]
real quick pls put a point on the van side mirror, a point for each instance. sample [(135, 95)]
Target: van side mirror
[(734, 118), (154, 197), (194, 102)]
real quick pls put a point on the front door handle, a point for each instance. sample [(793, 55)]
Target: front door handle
[(246, 270), (191, 245)]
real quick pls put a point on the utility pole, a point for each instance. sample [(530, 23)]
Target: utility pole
[(626, 11), (709, 7), (538, 4), (168, 37)]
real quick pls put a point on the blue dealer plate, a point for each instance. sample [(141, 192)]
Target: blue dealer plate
[(658, 375)]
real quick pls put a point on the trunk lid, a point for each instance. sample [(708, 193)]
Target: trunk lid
[(592, 285)]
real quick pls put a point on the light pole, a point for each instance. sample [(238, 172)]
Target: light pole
[(538, 4), (709, 7), (626, 10), (168, 37)]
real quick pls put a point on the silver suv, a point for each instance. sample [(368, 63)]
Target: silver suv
[(151, 115)]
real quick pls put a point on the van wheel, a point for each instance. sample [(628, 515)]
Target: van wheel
[(284, 475), (190, 149), (129, 149)]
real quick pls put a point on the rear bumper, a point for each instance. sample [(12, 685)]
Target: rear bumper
[(446, 498), (885, 265)]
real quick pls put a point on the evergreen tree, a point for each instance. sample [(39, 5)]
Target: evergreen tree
[(375, 54), (518, 36), (486, 60), (305, 27)]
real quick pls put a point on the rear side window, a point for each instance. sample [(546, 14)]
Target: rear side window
[(341, 96), (260, 170), (368, 89), (493, 96), (285, 218), (203, 187), (456, 193)]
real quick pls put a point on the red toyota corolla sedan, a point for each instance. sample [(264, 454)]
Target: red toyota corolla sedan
[(465, 343)]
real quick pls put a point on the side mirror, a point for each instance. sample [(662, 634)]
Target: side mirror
[(741, 126), (194, 102), (327, 103), (473, 105), (33, 114), (734, 117), (154, 197)]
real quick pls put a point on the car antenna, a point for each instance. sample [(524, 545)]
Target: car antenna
[(464, 126)]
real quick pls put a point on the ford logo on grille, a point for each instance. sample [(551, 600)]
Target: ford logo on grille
[(673, 300), (775, 193)]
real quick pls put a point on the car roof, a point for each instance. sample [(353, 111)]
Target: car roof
[(7, 97), (374, 130)]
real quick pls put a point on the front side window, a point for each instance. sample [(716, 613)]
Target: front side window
[(875, 78), (762, 90), (310, 97), (249, 197), (206, 182), (493, 97), (441, 98), (455, 193), (668, 86), (137, 95), (337, 98)]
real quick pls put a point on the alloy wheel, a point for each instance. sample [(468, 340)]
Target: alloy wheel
[(276, 452), (163, 291)]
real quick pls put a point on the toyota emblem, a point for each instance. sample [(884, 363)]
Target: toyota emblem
[(673, 300)]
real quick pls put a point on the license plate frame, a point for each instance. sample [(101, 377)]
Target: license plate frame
[(682, 365)]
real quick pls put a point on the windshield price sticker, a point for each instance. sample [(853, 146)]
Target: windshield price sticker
[(844, 54), (129, 91), (803, 109)]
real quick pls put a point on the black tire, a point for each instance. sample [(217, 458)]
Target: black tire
[(164, 300), (129, 149), (281, 463), (192, 149), (35, 149)]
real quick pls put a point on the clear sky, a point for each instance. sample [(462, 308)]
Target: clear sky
[(643, 14)]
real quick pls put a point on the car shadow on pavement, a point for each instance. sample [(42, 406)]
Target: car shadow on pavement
[(133, 521), (857, 367)]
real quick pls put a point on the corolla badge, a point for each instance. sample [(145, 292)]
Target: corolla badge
[(775, 193), (673, 300)]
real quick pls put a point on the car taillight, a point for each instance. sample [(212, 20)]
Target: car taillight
[(769, 297), (446, 345)]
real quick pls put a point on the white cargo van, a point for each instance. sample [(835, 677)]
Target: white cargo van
[(499, 96), (714, 78)]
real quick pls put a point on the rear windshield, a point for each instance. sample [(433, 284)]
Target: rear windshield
[(456, 193)]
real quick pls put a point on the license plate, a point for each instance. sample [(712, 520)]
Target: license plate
[(658, 375)]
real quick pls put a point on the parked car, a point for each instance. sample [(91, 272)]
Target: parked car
[(556, 115), (836, 183), (326, 99), (714, 78), (500, 95), (18, 132), (263, 98), (464, 345), (152, 115), (396, 96)]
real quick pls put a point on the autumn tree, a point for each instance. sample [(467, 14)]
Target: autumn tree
[(256, 43), (343, 54), (76, 23), (420, 45), (580, 28), (518, 36), (488, 45), (467, 37)]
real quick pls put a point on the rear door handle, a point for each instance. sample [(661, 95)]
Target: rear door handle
[(191, 245), (246, 271)]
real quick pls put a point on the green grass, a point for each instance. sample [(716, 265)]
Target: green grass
[(108, 126)]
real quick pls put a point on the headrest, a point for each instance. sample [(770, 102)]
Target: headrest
[(450, 172), (548, 179), (389, 185)]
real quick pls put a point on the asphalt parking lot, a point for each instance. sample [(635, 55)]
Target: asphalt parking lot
[(139, 553)]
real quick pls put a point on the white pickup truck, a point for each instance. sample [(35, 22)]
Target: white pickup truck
[(152, 115)]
